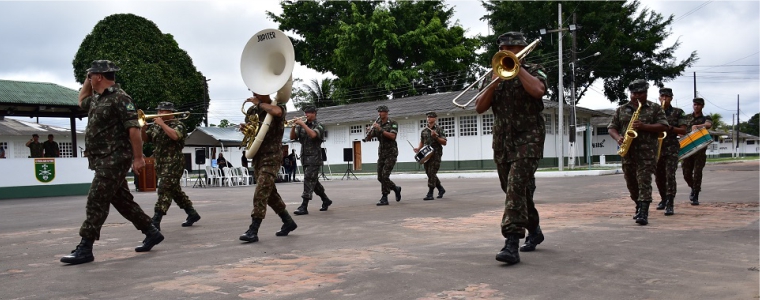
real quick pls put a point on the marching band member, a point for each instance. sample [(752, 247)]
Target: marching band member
[(385, 130), (434, 136), (310, 135), (667, 164), (692, 166)]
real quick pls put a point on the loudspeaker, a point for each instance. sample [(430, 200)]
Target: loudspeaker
[(200, 156), (348, 154), (324, 154)]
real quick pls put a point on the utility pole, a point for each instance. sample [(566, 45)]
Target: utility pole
[(561, 93), (205, 100), (695, 84), (737, 125), (571, 133)]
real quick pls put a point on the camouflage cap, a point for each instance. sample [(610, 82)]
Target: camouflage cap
[(309, 108), (382, 108), (103, 66), (638, 86), (432, 114), (166, 106), (666, 92), (699, 101), (512, 38)]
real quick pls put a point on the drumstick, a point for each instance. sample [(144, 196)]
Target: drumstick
[(410, 144)]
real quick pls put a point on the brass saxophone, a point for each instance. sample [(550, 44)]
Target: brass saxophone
[(630, 134), (659, 143)]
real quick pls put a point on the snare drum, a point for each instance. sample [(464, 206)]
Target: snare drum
[(424, 154), (693, 142)]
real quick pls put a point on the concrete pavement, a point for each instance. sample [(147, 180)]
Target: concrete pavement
[(413, 249)]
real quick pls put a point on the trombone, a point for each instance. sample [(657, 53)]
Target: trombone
[(505, 64), (142, 118)]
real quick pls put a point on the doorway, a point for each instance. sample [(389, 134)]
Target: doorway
[(357, 155)]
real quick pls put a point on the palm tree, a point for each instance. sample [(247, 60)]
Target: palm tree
[(717, 122), (321, 93)]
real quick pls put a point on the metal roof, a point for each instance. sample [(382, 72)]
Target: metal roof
[(218, 137), (13, 127), (410, 106), (39, 99)]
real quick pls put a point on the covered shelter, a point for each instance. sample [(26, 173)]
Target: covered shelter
[(41, 99)]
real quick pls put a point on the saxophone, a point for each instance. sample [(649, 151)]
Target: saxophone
[(659, 143), (630, 134)]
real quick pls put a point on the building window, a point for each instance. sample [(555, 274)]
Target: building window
[(423, 123), (468, 125), (65, 148), (602, 130), (4, 147), (487, 124), (750, 142), (556, 124), (447, 124), (548, 120), (357, 129)]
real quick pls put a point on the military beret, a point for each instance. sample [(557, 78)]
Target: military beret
[(382, 108), (309, 108), (103, 66), (432, 114), (166, 106), (666, 92), (512, 38), (638, 85), (699, 100)]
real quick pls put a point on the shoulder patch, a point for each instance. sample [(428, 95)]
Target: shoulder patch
[(130, 106), (394, 125)]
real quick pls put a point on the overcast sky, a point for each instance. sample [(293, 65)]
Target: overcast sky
[(38, 41)]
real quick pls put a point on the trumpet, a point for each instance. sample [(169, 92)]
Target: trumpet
[(504, 64), (142, 118), (293, 122), (370, 131)]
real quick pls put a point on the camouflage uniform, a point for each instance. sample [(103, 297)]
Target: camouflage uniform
[(692, 166), (51, 148), (109, 153), (667, 164), (434, 163), (311, 159), (518, 144), (387, 153), (640, 162), (266, 164), (35, 149), (170, 163)]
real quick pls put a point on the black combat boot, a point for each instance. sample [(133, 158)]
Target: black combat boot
[(288, 224), (303, 209), (429, 195), (509, 254), (398, 193), (695, 199), (326, 202), (532, 240), (661, 205), (152, 237), (691, 195), (638, 208), (669, 206), (441, 190), (643, 214), (383, 200), (157, 219), (82, 253), (252, 234), (192, 217)]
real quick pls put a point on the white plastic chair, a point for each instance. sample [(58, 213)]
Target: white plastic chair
[(229, 178), (247, 176), (218, 173), (211, 176), (242, 179), (282, 174), (185, 176)]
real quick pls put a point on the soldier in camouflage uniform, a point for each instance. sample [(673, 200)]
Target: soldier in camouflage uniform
[(266, 164), (168, 135), (35, 147), (113, 144), (640, 162), (385, 130), (518, 145), (667, 164), (310, 135), (692, 166), (435, 136)]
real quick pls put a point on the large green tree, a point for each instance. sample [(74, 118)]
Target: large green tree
[(153, 66), (752, 126), (630, 42), (378, 49)]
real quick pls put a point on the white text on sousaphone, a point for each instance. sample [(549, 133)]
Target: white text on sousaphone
[(265, 36)]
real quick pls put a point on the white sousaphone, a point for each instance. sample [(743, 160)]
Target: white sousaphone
[(266, 66)]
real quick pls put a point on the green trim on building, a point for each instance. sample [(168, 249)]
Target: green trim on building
[(38, 191)]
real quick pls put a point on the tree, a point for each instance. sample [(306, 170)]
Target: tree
[(318, 93), (224, 123), (752, 126), (630, 43), (717, 122), (380, 49), (153, 67)]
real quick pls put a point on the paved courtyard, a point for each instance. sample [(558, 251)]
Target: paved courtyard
[(413, 249)]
